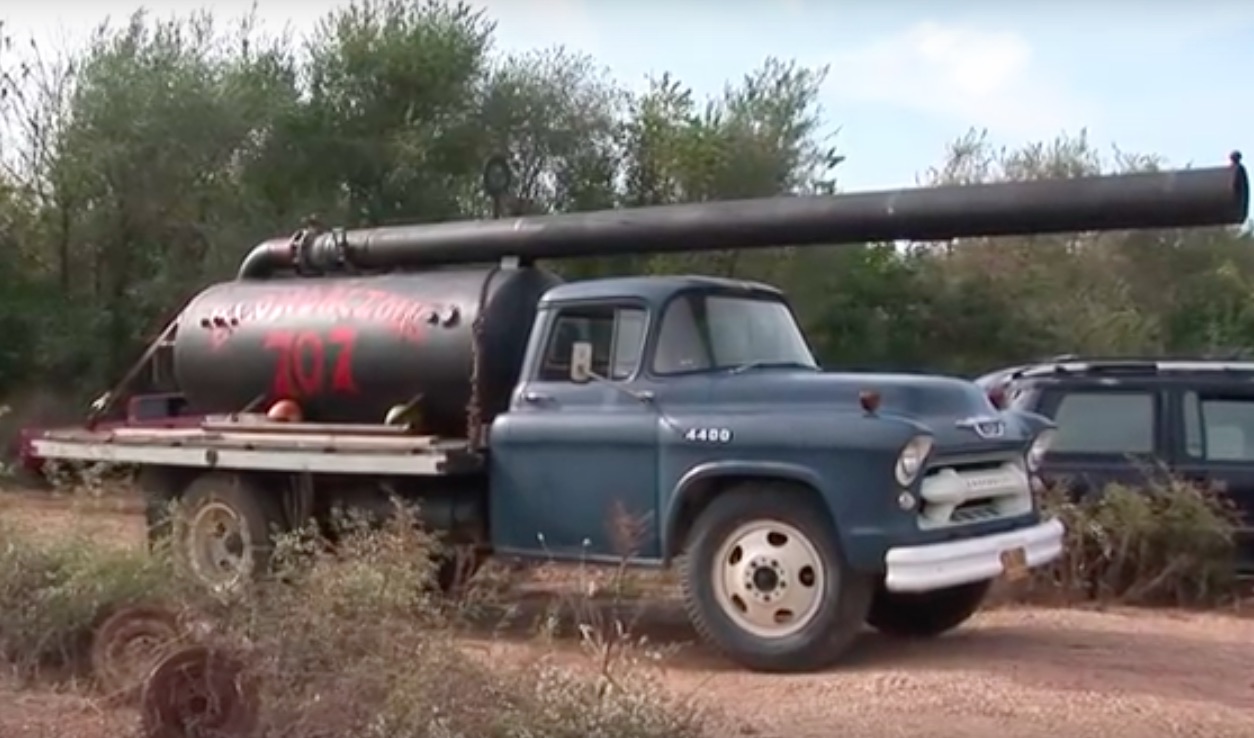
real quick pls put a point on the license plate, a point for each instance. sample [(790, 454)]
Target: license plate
[(1014, 564)]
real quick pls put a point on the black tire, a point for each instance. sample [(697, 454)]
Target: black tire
[(158, 520), (258, 516), (161, 487), (925, 614), (455, 567), (840, 608)]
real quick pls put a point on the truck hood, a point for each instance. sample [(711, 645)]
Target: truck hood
[(939, 402)]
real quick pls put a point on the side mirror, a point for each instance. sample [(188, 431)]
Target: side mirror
[(581, 363)]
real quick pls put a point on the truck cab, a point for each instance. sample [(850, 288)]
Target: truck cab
[(690, 412)]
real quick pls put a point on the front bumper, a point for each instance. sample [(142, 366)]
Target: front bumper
[(940, 565)]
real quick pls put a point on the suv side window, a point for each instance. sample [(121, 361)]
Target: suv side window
[(615, 332), (1104, 422), (1219, 427)]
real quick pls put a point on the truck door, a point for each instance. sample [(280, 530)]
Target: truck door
[(574, 466), (1106, 433), (1216, 449)]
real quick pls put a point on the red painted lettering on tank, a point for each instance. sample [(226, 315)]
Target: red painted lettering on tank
[(303, 362), (403, 316), (282, 386), (343, 340), (307, 362)]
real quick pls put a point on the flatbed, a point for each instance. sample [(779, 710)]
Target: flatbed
[(250, 444)]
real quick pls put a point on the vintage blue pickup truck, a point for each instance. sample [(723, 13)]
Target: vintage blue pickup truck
[(531, 417)]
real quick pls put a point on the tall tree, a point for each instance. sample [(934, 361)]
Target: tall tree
[(392, 129)]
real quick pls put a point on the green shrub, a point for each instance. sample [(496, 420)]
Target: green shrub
[(1164, 543), (53, 592)]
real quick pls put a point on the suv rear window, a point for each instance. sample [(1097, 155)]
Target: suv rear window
[(1104, 423), (1219, 428)]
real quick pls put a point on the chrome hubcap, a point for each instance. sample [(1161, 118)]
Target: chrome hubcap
[(219, 547), (769, 578)]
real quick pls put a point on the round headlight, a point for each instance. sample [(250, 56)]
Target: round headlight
[(910, 462), (1038, 449)]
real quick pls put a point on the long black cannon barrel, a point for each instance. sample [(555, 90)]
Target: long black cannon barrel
[(1171, 199)]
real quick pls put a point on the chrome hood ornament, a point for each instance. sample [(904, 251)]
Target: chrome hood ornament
[(986, 427)]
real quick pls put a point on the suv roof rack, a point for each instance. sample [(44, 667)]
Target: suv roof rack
[(1237, 355), (1075, 364)]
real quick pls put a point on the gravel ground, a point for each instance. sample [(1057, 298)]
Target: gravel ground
[(1011, 673)]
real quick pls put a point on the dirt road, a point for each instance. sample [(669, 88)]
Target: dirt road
[(1012, 673)]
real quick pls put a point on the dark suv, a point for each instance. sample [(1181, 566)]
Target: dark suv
[(1195, 417)]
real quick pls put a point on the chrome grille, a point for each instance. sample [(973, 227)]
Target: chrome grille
[(962, 492)]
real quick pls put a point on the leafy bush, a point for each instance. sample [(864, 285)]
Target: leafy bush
[(1167, 542)]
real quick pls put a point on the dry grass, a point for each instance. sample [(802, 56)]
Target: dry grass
[(56, 590), (346, 640), (356, 626)]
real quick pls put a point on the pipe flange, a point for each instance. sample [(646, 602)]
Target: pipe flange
[(337, 247), (302, 243)]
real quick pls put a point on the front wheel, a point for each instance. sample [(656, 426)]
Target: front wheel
[(764, 580), (926, 614)]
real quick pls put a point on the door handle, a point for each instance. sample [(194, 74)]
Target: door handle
[(536, 398)]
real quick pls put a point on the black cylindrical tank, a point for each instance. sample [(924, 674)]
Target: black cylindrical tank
[(348, 349)]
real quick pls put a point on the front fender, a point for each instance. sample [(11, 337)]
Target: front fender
[(833, 453), (691, 483)]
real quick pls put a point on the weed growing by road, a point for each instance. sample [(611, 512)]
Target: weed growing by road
[(356, 636), (1166, 542), (348, 638), (53, 592)]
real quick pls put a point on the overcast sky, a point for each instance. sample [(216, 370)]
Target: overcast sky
[(906, 76)]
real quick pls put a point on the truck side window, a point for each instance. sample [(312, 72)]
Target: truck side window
[(1227, 428), (1194, 441), (628, 343), (680, 345), (616, 335), (1105, 423)]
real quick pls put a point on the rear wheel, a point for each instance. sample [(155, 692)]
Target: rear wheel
[(223, 529), (926, 614), (161, 487), (765, 581)]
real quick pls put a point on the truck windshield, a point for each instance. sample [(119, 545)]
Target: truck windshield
[(712, 332)]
